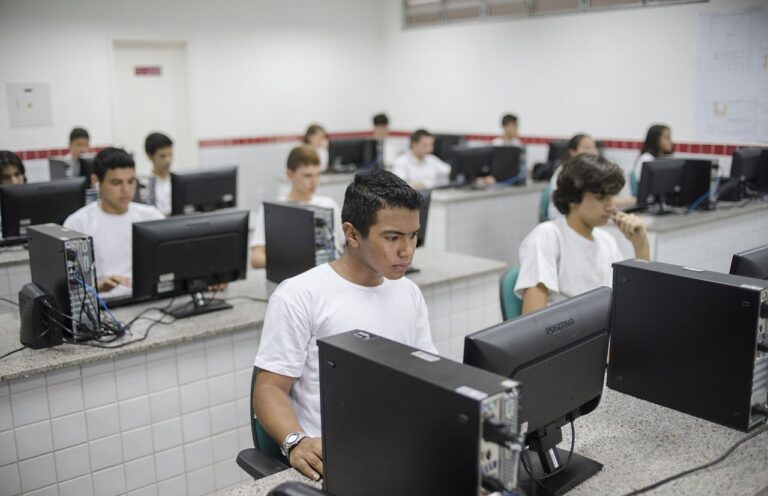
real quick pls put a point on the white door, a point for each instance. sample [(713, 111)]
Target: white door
[(150, 82)]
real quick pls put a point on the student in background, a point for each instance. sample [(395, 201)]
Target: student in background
[(571, 255), (578, 144), (364, 289), (79, 144), (388, 151), (317, 138), (159, 148), (303, 171), (109, 221), (11, 168), (509, 136), (418, 166), (658, 143)]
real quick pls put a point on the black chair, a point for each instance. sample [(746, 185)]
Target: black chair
[(294, 489), (265, 459)]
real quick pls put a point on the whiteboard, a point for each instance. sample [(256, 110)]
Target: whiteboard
[(732, 76)]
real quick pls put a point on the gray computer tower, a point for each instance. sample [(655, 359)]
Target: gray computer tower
[(62, 264), (691, 340), (298, 237), (396, 420)]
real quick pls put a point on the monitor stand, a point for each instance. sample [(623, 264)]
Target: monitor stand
[(198, 305), (550, 458)]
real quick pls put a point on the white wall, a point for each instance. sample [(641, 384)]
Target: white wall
[(607, 73), (255, 66)]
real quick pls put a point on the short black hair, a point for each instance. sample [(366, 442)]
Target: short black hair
[(78, 133), (156, 141), (418, 134), (9, 158), (586, 173), (111, 158), (508, 119), (372, 191), (380, 120), (573, 143)]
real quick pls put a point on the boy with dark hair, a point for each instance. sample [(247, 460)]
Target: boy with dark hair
[(364, 289), (419, 167), (510, 136), (109, 221), (11, 168), (79, 144), (159, 148), (303, 171), (569, 256)]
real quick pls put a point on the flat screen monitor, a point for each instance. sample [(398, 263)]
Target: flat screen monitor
[(559, 355), (23, 205), (506, 165), (750, 165), (751, 263), (674, 182), (558, 150), (445, 145), (203, 190), (187, 255), (469, 163), (348, 155)]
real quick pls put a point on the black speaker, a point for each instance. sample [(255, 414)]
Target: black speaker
[(37, 329)]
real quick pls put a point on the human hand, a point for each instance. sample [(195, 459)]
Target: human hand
[(631, 226), (307, 457), (109, 283)]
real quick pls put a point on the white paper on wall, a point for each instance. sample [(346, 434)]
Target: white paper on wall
[(29, 105)]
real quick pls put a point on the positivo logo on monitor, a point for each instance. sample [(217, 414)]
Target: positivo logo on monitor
[(560, 326)]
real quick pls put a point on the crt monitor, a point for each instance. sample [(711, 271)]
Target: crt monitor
[(471, 162), (203, 190), (674, 182), (559, 355), (187, 255), (351, 153), (751, 263), (506, 165), (24, 205)]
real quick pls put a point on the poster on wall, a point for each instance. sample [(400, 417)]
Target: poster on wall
[(732, 76)]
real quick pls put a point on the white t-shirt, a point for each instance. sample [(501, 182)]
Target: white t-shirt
[(430, 172), (552, 212), (258, 238), (567, 263), (322, 152), (645, 157), (321, 303), (391, 150), (163, 194), (500, 141), (112, 235)]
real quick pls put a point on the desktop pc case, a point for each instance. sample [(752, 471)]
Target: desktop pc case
[(61, 260), (298, 237), (691, 340), (397, 420)]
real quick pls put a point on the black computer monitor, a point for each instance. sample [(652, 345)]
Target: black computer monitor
[(559, 355), (751, 263), (472, 162), (445, 145), (750, 165), (62, 168), (558, 150), (23, 205), (347, 155), (674, 182), (86, 167), (203, 190), (188, 254), (424, 216), (505, 165)]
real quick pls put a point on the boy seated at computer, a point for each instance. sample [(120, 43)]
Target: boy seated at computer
[(11, 168), (303, 172), (418, 166), (159, 148), (572, 255), (363, 289), (109, 221)]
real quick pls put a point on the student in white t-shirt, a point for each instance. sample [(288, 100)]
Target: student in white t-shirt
[(418, 167), (159, 148), (79, 144), (109, 221), (658, 143), (303, 171), (571, 255), (364, 289), (317, 138), (577, 145), (388, 150), (510, 137)]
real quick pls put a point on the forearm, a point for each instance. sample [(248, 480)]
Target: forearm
[(258, 257), (275, 412), (642, 249), (535, 298)]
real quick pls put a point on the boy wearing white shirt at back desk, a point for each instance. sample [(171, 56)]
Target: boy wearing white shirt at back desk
[(569, 256), (364, 289), (159, 148), (109, 221), (510, 136), (418, 167), (303, 171)]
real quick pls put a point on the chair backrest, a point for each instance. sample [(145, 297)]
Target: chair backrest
[(633, 182), (511, 305), (261, 440), (544, 203)]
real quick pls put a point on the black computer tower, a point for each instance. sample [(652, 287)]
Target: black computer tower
[(396, 420), (690, 340), (62, 265)]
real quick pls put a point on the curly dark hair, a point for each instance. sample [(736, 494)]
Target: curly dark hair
[(585, 173), (372, 191)]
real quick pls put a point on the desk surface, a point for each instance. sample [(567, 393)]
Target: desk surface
[(640, 443), (13, 255), (326, 178), (452, 195), (436, 267), (672, 222)]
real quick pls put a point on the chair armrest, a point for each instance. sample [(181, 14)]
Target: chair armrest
[(259, 465)]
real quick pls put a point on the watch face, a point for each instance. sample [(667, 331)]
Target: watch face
[(292, 437)]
